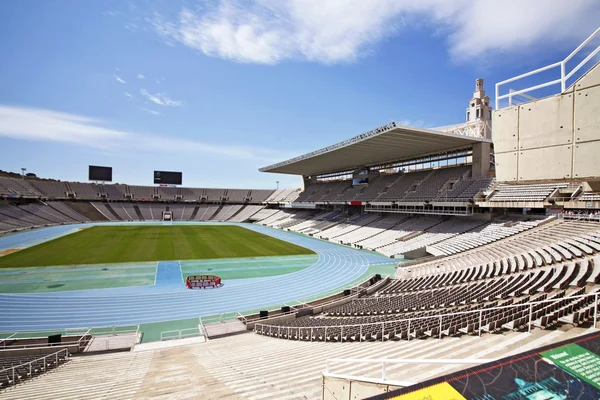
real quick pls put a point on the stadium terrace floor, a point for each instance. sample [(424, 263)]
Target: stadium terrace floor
[(168, 299)]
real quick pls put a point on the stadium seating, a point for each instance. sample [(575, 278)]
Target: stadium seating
[(50, 188), (590, 196), (29, 215), (377, 186), (226, 212), (114, 192), (246, 213), (430, 187), (254, 366), (263, 214), (439, 232), (484, 235), (442, 184), (465, 189), (141, 192), (539, 192), (167, 193), (352, 224), (10, 186), (16, 369), (553, 261), (260, 196), (283, 195), (104, 210), (214, 195), (84, 190), (237, 195)]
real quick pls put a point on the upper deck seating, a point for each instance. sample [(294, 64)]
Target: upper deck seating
[(589, 196), (401, 186), (50, 188), (538, 192), (85, 190), (141, 192), (431, 186), (260, 195), (17, 187), (114, 191)]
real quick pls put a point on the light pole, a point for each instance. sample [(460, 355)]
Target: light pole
[(23, 173), (277, 185)]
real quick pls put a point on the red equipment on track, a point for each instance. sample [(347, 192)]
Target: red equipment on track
[(203, 282)]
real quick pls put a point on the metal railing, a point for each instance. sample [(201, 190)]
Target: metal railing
[(270, 329), (45, 362), (386, 363), (564, 77), (180, 334), (83, 332), (353, 289)]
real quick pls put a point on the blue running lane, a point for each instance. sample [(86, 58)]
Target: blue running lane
[(169, 299)]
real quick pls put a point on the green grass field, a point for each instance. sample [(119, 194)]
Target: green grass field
[(118, 244)]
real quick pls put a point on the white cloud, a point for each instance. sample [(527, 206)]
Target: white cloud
[(329, 31), (140, 76), (160, 98), (414, 123), (150, 111), (128, 95), (118, 79), (41, 124), (35, 124)]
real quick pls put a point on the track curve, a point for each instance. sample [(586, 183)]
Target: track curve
[(336, 266)]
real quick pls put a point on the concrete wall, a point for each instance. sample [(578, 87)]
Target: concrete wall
[(552, 139)]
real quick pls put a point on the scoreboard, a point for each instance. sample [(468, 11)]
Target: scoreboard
[(100, 173), (167, 178)]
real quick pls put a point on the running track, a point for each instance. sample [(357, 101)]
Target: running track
[(336, 266)]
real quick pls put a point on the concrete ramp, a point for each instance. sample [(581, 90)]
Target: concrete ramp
[(123, 341), (224, 328)]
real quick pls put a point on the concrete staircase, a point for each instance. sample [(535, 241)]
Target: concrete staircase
[(250, 366)]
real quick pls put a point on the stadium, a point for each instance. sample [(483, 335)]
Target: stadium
[(411, 260)]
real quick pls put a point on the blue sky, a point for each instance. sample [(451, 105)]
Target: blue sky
[(217, 89)]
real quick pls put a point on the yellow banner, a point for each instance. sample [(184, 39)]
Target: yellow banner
[(441, 391)]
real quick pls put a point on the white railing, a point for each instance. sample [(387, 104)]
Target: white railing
[(459, 210), (580, 217), (564, 77), (45, 362), (371, 327), (180, 334), (83, 332), (385, 363)]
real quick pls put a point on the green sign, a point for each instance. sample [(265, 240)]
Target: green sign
[(578, 361)]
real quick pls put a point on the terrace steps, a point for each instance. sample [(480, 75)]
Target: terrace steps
[(250, 366)]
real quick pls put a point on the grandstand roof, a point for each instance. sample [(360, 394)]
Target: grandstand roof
[(386, 144)]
